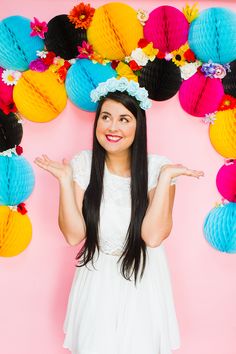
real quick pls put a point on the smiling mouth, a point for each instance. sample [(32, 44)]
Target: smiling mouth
[(113, 138)]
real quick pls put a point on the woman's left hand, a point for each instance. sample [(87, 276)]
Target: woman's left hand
[(175, 170)]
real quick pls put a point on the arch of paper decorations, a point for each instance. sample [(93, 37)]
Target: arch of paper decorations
[(166, 51)]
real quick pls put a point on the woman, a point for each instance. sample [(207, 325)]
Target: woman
[(118, 200)]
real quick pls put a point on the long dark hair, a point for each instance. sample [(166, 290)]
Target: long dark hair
[(134, 252)]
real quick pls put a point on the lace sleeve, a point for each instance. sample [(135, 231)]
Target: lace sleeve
[(155, 162), (81, 167)]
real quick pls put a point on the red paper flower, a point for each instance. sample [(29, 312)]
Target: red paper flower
[(19, 150), (160, 55), (38, 28), (62, 72), (48, 60), (189, 56), (81, 15), (142, 43), (114, 64), (228, 102), (8, 108), (21, 208), (134, 66)]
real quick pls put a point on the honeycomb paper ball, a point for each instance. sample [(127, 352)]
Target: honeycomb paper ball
[(39, 96), (200, 95), (16, 180), (212, 35), (219, 228), (17, 47), (226, 181), (62, 37), (229, 81), (167, 28), (15, 232), (11, 131), (161, 79), (223, 133), (6, 92), (115, 30), (83, 77)]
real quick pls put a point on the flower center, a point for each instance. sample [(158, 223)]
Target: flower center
[(82, 17), (10, 78), (178, 57), (227, 103), (37, 28)]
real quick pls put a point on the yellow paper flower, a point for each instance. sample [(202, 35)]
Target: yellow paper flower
[(178, 55), (150, 51), (124, 70), (97, 58), (57, 64), (191, 13)]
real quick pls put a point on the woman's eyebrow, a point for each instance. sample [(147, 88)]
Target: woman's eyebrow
[(106, 113), (126, 115)]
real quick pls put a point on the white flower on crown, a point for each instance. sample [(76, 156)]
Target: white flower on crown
[(139, 56), (132, 88), (123, 84)]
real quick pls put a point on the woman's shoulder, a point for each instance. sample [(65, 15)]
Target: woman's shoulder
[(81, 167), (85, 154), (155, 162)]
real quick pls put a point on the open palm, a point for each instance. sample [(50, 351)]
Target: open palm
[(60, 170)]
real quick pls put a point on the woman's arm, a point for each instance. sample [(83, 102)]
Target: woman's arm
[(157, 223), (70, 217)]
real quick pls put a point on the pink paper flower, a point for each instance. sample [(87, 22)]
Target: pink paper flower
[(38, 28), (85, 50)]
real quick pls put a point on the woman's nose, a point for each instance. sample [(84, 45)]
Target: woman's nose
[(113, 126)]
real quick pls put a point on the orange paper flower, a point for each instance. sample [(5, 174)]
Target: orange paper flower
[(81, 15)]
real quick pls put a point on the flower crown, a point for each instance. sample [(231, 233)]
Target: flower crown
[(122, 85)]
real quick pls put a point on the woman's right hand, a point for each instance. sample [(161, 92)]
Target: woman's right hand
[(60, 170)]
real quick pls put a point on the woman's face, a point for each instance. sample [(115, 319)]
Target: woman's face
[(116, 127)]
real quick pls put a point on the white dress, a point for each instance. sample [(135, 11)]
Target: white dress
[(106, 314)]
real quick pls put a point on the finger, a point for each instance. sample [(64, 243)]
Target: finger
[(46, 157), (65, 161)]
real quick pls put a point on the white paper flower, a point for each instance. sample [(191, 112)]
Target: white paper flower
[(10, 77), (139, 56), (142, 16), (209, 118), (188, 70), (8, 152), (41, 54), (168, 56)]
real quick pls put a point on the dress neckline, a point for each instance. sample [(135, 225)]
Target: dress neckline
[(114, 175)]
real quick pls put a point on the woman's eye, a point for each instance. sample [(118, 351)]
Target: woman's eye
[(105, 117), (124, 119)]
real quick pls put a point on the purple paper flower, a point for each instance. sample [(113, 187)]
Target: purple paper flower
[(38, 65), (208, 69)]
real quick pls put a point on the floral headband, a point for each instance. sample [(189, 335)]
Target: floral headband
[(122, 85)]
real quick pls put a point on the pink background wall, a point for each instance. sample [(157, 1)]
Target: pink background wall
[(35, 284)]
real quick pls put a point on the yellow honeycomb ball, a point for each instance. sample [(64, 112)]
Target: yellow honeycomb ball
[(222, 133), (115, 31), (39, 96), (15, 232)]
